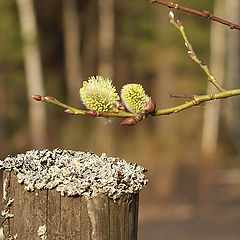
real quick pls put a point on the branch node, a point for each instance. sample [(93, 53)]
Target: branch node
[(174, 5), (93, 113), (50, 98), (207, 14), (202, 63), (179, 23)]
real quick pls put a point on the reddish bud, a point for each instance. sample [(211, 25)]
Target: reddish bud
[(191, 55), (37, 97), (93, 113), (50, 98), (179, 23), (207, 14), (69, 111), (130, 121), (151, 106), (170, 16)]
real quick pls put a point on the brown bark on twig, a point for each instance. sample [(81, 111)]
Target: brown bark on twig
[(204, 13)]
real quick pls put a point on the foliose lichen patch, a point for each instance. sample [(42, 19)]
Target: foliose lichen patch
[(76, 173)]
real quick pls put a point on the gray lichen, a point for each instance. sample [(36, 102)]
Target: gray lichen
[(6, 214), (42, 232), (10, 202), (76, 173)]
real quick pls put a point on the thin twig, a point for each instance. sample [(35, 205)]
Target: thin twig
[(122, 114), (196, 101), (192, 54), (185, 95), (204, 13)]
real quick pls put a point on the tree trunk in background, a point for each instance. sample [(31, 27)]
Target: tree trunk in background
[(73, 61), (164, 71), (233, 72), (106, 37), (33, 69), (211, 115), (103, 133)]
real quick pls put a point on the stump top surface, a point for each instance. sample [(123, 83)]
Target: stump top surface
[(76, 173)]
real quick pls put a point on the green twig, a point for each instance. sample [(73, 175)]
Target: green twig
[(123, 114), (192, 54), (196, 101)]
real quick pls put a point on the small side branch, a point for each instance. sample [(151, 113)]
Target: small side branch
[(196, 101), (204, 13), (192, 54)]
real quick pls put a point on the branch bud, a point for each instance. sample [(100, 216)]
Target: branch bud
[(130, 121), (191, 55), (69, 111), (179, 23), (93, 113), (151, 105), (50, 98), (207, 14), (170, 16), (37, 97)]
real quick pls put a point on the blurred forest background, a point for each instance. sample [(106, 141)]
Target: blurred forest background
[(192, 157)]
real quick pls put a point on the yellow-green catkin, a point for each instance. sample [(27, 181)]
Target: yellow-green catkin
[(99, 94), (134, 98)]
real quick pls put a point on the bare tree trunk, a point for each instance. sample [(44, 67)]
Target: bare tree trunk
[(106, 36), (212, 111), (217, 67), (73, 61), (233, 72), (33, 69), (164, 73), (105, 68)]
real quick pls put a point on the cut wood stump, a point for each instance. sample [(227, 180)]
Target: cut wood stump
[(50, 214)]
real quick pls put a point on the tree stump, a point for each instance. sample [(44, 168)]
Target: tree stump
[(48, 214)]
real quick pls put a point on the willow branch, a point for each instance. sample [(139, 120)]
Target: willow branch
[(196, 100), (192, 54), (204, 13), (75, 111)]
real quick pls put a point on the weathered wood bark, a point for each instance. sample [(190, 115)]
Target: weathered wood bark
[(67, 217)]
